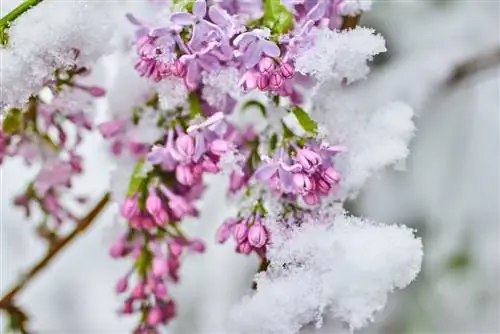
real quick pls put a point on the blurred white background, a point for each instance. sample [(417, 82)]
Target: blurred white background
[(449, 191)]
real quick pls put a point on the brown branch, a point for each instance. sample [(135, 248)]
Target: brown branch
[(350, 22), (264, 264), (6, 302), (474, 65)]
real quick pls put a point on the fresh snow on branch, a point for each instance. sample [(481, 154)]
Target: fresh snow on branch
[(343, 270)]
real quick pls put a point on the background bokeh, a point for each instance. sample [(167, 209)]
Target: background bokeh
[(448, 190)]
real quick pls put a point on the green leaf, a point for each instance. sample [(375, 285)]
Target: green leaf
[(307, 123), (277, 17), (12, 121), (256, 104), (185, 4), (287, 133), (194, 104), (136, 178)]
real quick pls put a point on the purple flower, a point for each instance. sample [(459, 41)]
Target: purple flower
[(197, 62), (280, 169), (255, 44)]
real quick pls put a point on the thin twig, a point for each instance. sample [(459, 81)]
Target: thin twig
[(6, 301), (6, 21), (474, 65)]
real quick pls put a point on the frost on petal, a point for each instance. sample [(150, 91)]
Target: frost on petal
[(340, 55), (343, 272), (374, 140)]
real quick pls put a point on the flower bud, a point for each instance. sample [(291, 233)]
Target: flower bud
[(330, 175), (129, 208), (121, 285), (287, 71), (220, 147), (159, 266), (257, 235), (178, 69), (240, 232), (155, 316), (276, 80), (197, 246), (160, 290), (263, 81), (185, 146), (223, 233), (311, 199), (308, 158), (184, 175), (266, 64)]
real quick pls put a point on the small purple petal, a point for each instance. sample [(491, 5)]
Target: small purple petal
[(252, 55), (244, 39), (160, 32), (269, 48), (193, 74), (199, 147), (286, 179), (265, 172), (209, 63), (200, 9), (217, 16), (183, 19)]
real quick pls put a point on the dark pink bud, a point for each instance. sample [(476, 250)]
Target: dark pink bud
[(311, 199), (263, 81), (197, 246), (257, 235), (223, 233), (244, 248), (159, 266), (249, 80), (240, 232), (302, 183), (96, 91), (308, 158), (185, 146), (219, 147), (184, 175), (287, 71), (266, 64), (153, 203), (178, 69), (139, 291), (122, 285), (129, 208), (155, 316), (330, 175), (210, 166), (160, 290), (323, 186), (175, 248), (128, 307), (118, 249), (276, 80)]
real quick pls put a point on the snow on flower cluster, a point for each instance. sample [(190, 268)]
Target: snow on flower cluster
[(41, 42), (340, 55), (342, 268)]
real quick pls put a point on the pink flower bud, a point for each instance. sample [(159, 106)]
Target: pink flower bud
[(323, 186), (266, 64), (244, 248), (175, 248), (185, 146), (240, 232), (287, 71), (257, 235), (122, 285), (311, 199), (164, 69), (197, 246), (129, 208), (209, 166), (139, 291), (184, 175), (223, 233), (178, 69), (249, 80), (153, 203), (330, 175), (219, 147), (155, 316), (263, 81), (96, 91), (128, 307), (159, 266), (308, 158), (160, 290), (302, 183), (110, 128), (276, 80), (118, 248)]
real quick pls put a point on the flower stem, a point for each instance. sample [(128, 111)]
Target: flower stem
[(12, 16), (83, 224)]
